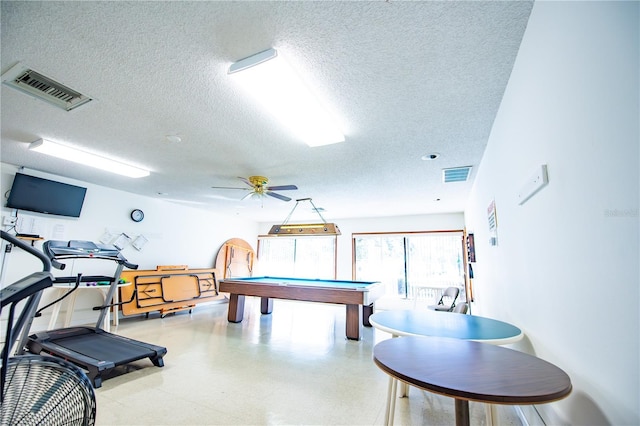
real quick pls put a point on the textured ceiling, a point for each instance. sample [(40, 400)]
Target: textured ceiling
[(405, 78)]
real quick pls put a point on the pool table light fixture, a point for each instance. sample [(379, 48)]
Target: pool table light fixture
[(72, 154), (323, 228), (305, 229), (272, 82)]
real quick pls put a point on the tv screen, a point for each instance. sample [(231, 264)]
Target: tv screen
[(45, 196)]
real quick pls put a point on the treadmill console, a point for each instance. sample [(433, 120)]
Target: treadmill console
[(79, 248)]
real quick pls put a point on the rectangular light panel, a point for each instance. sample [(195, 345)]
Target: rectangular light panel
[(67, 153), (273, 83)]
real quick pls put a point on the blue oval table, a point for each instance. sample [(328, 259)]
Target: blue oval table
[(445, 324)]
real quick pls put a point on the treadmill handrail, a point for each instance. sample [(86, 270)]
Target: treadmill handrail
[(59, 265), (46, 263), (58, 250), (128, 264), (91, 251)]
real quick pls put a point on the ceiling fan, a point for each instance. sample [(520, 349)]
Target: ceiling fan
[(258, 187)]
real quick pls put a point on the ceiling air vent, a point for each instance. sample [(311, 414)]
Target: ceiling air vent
[(456, 174), (35, 84)]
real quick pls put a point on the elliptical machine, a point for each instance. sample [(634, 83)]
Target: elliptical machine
[(37, 389)]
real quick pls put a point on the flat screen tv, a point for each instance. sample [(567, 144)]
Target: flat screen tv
[(45, 196)]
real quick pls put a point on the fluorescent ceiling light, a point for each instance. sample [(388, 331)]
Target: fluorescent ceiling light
[(269, 78), (67, 153)]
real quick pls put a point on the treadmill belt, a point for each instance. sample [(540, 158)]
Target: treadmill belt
[(104, 347), (95, 350)]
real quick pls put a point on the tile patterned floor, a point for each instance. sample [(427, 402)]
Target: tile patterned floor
[(294, 366)]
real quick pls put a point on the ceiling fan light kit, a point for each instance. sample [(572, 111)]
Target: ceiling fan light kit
[(272, 82)]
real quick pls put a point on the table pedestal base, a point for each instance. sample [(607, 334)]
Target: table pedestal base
[(462, 412)]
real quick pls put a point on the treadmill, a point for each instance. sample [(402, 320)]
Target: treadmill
[(91, 348)]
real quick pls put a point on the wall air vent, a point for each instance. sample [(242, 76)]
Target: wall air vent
[(37, 85), (456, 174)]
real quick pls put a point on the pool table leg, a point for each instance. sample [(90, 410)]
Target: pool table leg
[(367, 311), (266, 305), (236, 307), (353, 322)]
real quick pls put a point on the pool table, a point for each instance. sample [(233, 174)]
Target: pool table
[(351, 293)]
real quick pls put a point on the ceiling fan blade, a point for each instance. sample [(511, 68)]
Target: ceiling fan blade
[(245, 180), (231, 187), (282, 188), (278, 196)]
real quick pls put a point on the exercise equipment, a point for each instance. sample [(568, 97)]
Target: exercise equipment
[(37, 389), (92, 348)]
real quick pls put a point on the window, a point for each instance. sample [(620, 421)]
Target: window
[(413, 265), (302, 257)]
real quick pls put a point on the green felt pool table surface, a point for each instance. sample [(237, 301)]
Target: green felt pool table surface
[(343, 284)]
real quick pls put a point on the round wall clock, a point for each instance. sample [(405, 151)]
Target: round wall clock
[(137, 215)]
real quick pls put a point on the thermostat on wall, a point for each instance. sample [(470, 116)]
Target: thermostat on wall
[(535, 183)]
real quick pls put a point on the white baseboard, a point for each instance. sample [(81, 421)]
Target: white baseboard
[(529, 416)]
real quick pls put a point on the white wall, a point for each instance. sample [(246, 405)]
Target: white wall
[(433, 222), (566, 267), (177, 234)]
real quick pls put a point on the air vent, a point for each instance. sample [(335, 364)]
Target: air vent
[(456, 174), (35, 84)]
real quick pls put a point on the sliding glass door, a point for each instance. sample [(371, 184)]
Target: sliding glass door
[(412, 265), (302, 257)]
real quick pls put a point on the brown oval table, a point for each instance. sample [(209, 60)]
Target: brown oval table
[(470, 371)]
